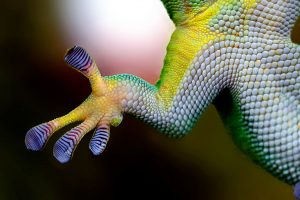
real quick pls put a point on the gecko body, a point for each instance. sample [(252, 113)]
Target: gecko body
[(236, 54)]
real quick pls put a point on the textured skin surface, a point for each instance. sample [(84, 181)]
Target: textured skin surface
[(240, 48)]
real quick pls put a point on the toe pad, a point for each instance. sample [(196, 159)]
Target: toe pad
[(37, 136), (78, 58)]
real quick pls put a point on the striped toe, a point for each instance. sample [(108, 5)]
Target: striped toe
[(99, 140), (37, 136), (78, 58), (63, 149), (65, 146)]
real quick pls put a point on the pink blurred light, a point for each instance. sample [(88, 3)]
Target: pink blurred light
[(123, 36)]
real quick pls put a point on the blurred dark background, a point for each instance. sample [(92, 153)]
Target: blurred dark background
[(37, 86)]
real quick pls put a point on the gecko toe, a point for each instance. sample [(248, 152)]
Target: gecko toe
[(99, 140), (37, 136), (65, 146), (78, 58), (62, 150)]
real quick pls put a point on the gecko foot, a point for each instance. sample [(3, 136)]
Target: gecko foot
[(100, 110)]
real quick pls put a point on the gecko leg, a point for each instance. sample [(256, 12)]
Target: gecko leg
[(101, 109)]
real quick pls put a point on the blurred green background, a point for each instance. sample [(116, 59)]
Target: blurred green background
[(138, 163)]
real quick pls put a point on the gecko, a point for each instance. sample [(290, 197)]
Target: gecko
[(235, 54)]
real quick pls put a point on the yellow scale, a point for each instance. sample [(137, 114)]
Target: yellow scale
[(189, 37)]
